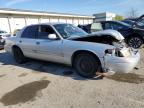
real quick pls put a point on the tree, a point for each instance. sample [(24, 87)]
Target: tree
[(133, 13), (119, 17)]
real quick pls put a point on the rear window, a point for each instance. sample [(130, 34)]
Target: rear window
[(30, 32), (96, 27), (108, 26), (140, 24)]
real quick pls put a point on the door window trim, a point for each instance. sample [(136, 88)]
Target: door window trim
[(57, 34)]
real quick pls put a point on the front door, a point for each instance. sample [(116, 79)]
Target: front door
[(47, 49)]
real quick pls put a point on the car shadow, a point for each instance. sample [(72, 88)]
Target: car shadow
[(38, 66)]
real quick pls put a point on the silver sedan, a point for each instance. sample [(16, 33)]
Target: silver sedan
[(64, 43)]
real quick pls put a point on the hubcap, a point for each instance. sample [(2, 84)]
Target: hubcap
[(135, 42), (86, 66)]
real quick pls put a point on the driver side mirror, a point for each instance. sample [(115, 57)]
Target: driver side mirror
[(52, 37)]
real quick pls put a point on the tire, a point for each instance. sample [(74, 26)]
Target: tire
[(135, 42), (18, 55), (86, 65)]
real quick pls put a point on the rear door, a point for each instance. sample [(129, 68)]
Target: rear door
[(47, 49), (27, 41)]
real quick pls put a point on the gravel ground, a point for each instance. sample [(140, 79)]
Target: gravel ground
[(38, 84)]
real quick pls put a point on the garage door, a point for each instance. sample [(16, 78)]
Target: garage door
[(19, 23), (81, 21), (44, 20), (90, 21), (53, 20), (4, 24), (69, 21), (62, 20), (86, 21), (75, 22), (32, 21)]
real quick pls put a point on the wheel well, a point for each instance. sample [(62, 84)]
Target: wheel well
[(83, 51), (134, 35), (14, 46)]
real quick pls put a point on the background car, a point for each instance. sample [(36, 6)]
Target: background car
[(133, 33), (16, 31), (86, 28), (90, 28), (128, 21), (134, 36), (3, 36)]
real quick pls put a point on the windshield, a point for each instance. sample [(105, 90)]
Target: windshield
[(141, 23), (129, 22), (125, 24), (69, 31)]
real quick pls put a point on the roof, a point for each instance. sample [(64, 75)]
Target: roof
[(40, 13)]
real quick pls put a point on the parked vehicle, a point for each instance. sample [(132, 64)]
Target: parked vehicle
[(129, 22), (16, 31), (133, 34), (139, 23), (86, 28), (70, 45), (3, 36)]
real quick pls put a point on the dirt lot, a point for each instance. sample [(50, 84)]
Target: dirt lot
[(38, 84)]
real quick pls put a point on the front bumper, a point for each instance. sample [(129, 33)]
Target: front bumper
[(121, 64)]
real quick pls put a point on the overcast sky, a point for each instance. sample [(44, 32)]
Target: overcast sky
[(85, 7)]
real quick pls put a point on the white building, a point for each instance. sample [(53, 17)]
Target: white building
[(106, 16), (12, 19)]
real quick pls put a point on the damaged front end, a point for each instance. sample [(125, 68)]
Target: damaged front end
[(120, 59), (110, 37)]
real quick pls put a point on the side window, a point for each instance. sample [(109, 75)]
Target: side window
[(29, 32), (116, 26), (96, 27), (108, 26), (44, 31)]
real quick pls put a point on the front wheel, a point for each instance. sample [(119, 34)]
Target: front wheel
[(135, 42), (18, 55), (86, 65)]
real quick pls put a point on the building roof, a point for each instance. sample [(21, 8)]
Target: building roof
[(10, 11)]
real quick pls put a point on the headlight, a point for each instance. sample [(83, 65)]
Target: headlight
[(125, 52), (118, 52)]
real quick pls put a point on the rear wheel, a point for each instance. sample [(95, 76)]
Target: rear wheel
[(86, 65), (135, 42), (18, 55)]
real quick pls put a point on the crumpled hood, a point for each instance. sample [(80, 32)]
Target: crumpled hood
[(115, 34)]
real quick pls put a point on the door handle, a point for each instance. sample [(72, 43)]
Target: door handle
[(20, 41), (37, 43)]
